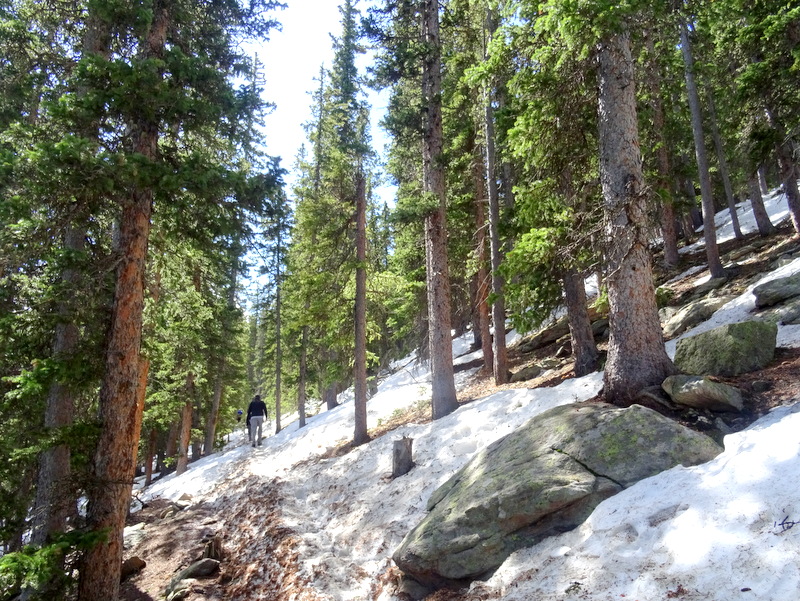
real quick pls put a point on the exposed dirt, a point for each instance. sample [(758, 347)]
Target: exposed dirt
[(259, 554)]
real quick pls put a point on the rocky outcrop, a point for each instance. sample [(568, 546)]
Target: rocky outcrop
[(777, 291), (543, 479), (692, 314), (702, 393), (526, 373), (729, 350)]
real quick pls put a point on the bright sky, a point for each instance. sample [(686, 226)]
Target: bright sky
[(292, 58)]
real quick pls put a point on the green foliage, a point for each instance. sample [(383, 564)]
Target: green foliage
[(34, 567)]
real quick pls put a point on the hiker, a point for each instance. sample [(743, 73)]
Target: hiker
[(256, 414)]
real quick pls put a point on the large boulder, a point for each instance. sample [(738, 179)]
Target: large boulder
[(542, 479), (692, 314), (728, 350), (776, 291), (702, 393)]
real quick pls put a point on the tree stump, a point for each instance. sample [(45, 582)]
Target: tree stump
[(402, 457)]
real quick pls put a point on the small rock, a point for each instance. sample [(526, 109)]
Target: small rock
[(199, 569), (133, 535), (550, 363), (526, 373), (413, 589), (131, 566), (760, 385), (710, 285)]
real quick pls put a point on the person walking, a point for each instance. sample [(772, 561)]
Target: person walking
[(256, 414)]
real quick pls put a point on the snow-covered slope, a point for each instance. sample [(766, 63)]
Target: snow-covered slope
[(721, 531)]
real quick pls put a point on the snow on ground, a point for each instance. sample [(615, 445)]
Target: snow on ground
[(719, 531)]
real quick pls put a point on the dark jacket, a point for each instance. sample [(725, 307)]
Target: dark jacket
[(257, 408)]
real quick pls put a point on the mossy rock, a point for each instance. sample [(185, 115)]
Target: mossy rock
[(542, 479), (729, 350)]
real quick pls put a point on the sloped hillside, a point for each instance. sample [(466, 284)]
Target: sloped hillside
[(307, 518)]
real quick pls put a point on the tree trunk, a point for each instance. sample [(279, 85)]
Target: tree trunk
[(709, 229), (500, 368), (360, 435), (141, 394), (787, 167), (402, 457), (184, 438), (765, 227), (668, 230), (329, 396), (302, 377), (762, 180), (481, 300), (113, 467), (636, 354), (171, 446), (584, 350), (213, 414), (52, 504), (724, 172), (152, 446), (443, 387)]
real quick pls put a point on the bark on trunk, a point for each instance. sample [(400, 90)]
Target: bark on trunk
[(762, 180), (152, 447), (329, 396), (52, 503), (219, 381), (443, 388), (706, 193), (302, 377), (481, 299), (636, 354), (113, 466), (500, 355), (787, 169), (141, 393), (360, 435), (668, 229), (765, 227), (213, 414), (584, 350), (724, 172), (184, 438)]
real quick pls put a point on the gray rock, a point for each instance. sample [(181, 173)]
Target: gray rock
[(550, 363), (702, 393), (787, 312), (776, 291), (181, 590), (737, 254), (133, 535), (545, 336), (761, 385), (199, 569), (526, 373), (600, 328), (710, 285), (729, 350), (692, 314), (542, 479)]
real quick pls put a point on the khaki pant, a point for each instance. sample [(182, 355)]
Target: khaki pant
[(256, 425)]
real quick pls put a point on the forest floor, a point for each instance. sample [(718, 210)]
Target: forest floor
[(172, 544)]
